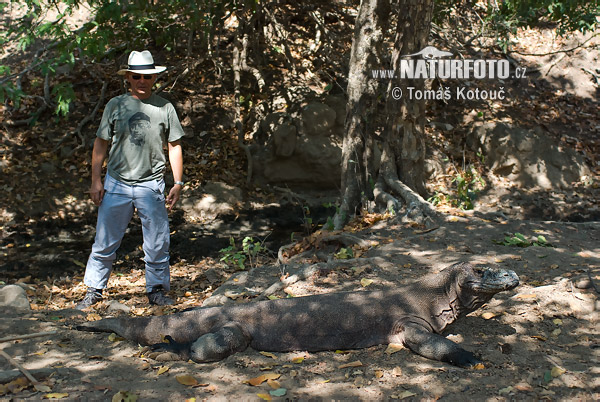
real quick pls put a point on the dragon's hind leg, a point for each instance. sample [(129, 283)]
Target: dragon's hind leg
[(218, 345), (210, 347)]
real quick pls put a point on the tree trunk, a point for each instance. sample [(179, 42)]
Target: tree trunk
[(405, 131), (402, 158), (358, 144)]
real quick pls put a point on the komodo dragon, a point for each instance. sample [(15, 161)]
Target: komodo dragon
[(413, 315)]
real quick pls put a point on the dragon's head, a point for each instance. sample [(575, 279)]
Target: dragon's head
[(479, 284)]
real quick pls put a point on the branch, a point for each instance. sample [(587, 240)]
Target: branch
[(27, 336), (38, 386), (594, 76), (283, 39), (558, 51), (237, 65)]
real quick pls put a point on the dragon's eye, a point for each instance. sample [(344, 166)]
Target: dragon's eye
[(479, 271)]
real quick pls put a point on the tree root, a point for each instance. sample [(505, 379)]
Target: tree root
[(418, 209)]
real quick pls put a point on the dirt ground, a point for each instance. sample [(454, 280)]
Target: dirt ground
[(539, 341)]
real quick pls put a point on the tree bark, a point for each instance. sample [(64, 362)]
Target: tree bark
[(401, 170), (357, 148), (405, 131)]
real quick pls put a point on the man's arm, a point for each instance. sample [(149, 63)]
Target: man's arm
[(176, 160), (98, 156)]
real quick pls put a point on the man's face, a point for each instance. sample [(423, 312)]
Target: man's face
[(141, 84)]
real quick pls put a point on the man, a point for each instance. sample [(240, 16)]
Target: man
[(138, 124)]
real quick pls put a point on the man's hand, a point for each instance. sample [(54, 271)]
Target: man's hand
[(97, 191), (173, 196), (98, 155)]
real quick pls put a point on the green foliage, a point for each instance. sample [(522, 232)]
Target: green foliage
[(509, 15), (64, 95), (112, 25), (569, 15), (518, 240), (250, 252), (329, 224), (468, 183), (345, 253)]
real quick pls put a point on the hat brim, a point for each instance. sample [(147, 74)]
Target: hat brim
[(155, 70)]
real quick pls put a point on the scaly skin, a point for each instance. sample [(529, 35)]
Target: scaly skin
[(414, 315)]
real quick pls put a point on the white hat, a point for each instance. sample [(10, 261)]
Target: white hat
[(141, 63)]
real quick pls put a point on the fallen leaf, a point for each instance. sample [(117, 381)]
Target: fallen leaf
[(17, 385), (557, 321), (406, 394), (378, 374), (278, 392), (78, 263), (488, 315), (356, 363), (526, 296), (539, 337), (260, 379), (506, 390), (163, 369), (124, 396), (478, 366), (102, 387), (186, 379), (298, 360), (268, 354), (56, 395), (364, 282), (523, 386), (393, 348), (93, 317), (557, 371), (266, 397), (273, 384), (42, 388), (397, 371), (342, 352), (115, 338)]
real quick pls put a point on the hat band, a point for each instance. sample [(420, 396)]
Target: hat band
[(142, 67)]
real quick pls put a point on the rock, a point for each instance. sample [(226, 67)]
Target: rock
[(47, 167), (338, 104), (318, 119), (114, 306), (15, 297), (301, 154), (284, 139), (525, 157), (274, 120), (218, 199)]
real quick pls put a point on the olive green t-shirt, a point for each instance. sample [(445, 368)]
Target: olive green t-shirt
[(138, 129)]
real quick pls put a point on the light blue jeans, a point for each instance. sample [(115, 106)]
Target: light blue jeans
[(114, 215)]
